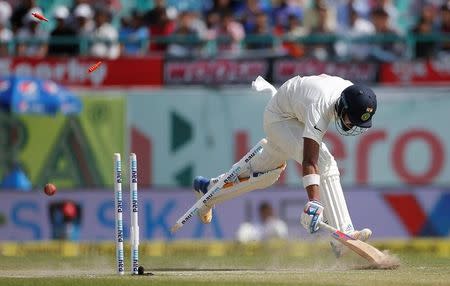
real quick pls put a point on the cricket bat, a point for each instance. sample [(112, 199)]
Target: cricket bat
[(377, 258)]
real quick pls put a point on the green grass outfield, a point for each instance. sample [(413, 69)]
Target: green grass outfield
[(273, 267)]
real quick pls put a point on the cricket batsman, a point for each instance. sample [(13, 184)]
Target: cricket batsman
[(295, 121)]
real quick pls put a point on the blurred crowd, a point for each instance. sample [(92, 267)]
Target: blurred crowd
[(348, 29)]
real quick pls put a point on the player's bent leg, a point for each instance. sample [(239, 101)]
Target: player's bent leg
[(261, 171), (256, 181), (200, 188)]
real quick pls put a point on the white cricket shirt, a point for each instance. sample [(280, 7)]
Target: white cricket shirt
[(310, 99)]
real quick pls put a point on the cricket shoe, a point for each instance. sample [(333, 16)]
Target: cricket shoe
[(200, 188), (339, 249)]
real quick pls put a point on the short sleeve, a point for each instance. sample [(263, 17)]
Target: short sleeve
[(316, 124)]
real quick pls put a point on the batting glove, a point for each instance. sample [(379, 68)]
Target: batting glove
[(311, 216)]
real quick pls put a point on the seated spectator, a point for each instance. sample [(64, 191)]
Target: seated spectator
[(325, 27), (84, 25), (213, 21), (133, 35), (424, 48), (293, 31), (260, 34), (105, 37), (32, 39), (357, 29), (445, 26), (391, 10), (155, 15), (390, 49), (248, 15), (5, 33), (20, 13), (285, 11), (62, 33), (270, 227), (185, 38), (231, 33), (164, 26), (221, 7)]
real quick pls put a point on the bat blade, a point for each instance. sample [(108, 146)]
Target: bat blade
[(363, 249), (376, 258)]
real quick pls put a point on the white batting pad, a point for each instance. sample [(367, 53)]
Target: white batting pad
[(260, 181), (335, 207)]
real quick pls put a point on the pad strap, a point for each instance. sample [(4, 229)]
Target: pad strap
[(311, 179)]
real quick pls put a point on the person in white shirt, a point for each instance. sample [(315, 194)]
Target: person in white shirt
[(32, 39), (105, 37), (82, 21), (271, 227), (5, 33), (295, 121)]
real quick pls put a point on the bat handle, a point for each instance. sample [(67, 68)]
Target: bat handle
[(327, 227)]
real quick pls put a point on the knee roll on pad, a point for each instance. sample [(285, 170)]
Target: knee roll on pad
[(327, 163)]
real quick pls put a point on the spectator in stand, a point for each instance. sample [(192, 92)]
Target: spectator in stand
[(5, 33), (293, 31), (231, 33), (62, 33), (445, 26), (390, 49), (358, 28), (283, 10), (113, 6), (186, 37), (19, 13), (314, 14), (157, 14), (76, 3), (429, 13), (424, 48), (325, 27), (221, 7), (391, 10), (133, 35), (270, 227), (84, 25), (32, 39), (105, 36), (213, 20), (261, 35), (198, 24), (160, 24), (248, 15)]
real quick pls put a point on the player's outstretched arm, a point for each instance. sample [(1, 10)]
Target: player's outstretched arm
[(312, 213)]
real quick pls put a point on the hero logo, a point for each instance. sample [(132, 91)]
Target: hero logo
[(253, 154)]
